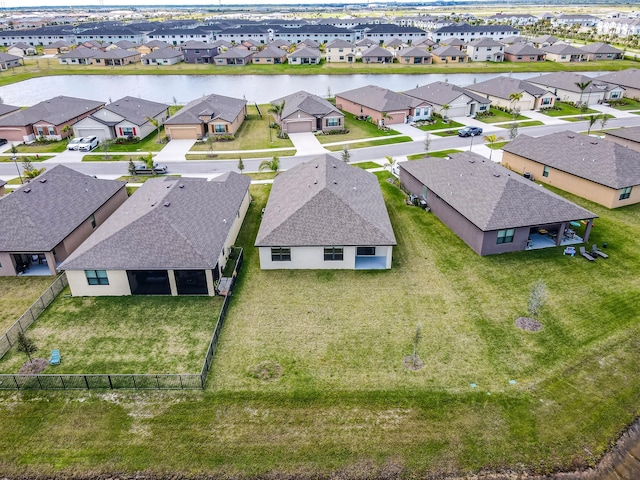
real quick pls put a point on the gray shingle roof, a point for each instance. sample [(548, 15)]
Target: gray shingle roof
[(305, 52), (116, 54), (235, 53), (439, 93), (39, 215), (56, 111), (568, 81), (213, 106), (375, 51), (486, 42), (545, 39), (162, 53), (339, 43), (7, 57), (523, 49), (5, 109), (445, 51), (196, 45), (271, 51), (502, 87), (380, 99), (135, 110), (413, 52), (491, 196), (600, 47), (79, 52), (601, 161), (561, 49), (627, 133), (162, 226), (625, 78), (306, 102), (325, 202)]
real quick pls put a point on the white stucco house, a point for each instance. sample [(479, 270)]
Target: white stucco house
[(325, 214), (173, 236)]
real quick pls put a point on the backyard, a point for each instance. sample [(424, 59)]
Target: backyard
[(309, 375), (122, 334), (17, 294)]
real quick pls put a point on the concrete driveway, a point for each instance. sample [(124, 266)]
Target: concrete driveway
[(307, 144), (174, 151), (415, 133)]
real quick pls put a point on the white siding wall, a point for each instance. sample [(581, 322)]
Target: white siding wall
[(311, 258), (118, 284), (235, 229)]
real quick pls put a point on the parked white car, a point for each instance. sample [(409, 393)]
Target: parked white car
[(73, 144), (88, 144)]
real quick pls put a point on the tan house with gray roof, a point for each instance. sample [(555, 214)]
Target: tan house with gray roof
[(492, 209), (460, 101), (305, 112), (189, 250), (413, 56), (564, 85), (598, 170), (340, 51), (523, 52), (449, 54), (561, 52), (325, 214), (116, 57), (44, 221), (628, 79), (213, 114), (601, 51), (500, 89), (627, 137)]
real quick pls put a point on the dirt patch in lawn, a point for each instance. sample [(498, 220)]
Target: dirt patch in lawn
[(528, 324), (32, 367), (413, 364), (267, 371)]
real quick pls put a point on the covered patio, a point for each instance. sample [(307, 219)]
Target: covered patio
[(549, 235)]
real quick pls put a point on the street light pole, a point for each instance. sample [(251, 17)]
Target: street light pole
[(471, 146), (269, 127), (15, 160)]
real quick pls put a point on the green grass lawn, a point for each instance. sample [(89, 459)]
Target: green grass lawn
[(147, 144), (366, 165), (17, 294), (530, 123), (584, 118), (358, 129), (497, 116), (496, 145), (561, 109), (438, 154), (253, 134), (371, 143), (440, 125), (261, 175), (244, 155), (29, 158), (626, 104), (344, 401), (109, 157), (446, 133), (134, 334), (53, 147), (142, 178)]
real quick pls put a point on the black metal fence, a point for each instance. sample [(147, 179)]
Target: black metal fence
[(10, 337), (115, 381)]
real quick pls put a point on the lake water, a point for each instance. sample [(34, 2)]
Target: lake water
[(184, 88)]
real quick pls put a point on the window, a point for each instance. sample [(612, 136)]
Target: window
[(333, 254), (545, 171), (52, 131), (280, 254), (505, 236), (127, 132), (92, 219), (333, 122), (97, 277), (546, 101), (625, 193), (219, 128), (365, 251), (40, 131)]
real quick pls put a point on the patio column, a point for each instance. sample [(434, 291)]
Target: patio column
[(211, 290), (560, 236), (51, 262), (172, 282), (587, 230)]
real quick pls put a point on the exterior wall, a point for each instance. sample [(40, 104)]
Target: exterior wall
[(299, 117), (202, 55), (233, 233), (482, 54), (426, 60), (528, 102), (459, 59), (567, 96), (141, 131), (377, 59), (161, 61), (361, 110), (7, 265), (340, 55), (232, 127), (118, 284), (17, 133), (178, 131), (582, 187), (325, 121), (102, 62), (82, 232), (308, 258), (96, 128), (524, 58)]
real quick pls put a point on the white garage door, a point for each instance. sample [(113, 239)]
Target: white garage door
[(183, 133), (300, 127), (101, 133)]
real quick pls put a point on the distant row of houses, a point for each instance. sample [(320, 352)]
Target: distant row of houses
[(61, 117)]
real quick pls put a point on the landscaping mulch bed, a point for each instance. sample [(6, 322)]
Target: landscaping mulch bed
[(528, 324), (31, 367)]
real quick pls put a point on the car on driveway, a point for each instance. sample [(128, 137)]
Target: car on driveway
[(157, 169), (73, 144), (469, 131), (88, 144)]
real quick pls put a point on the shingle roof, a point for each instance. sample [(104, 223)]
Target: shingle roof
[(325, 202), (196, 45), (306, 102), (271, 52), (453, 42), (339, 43), (7, 57), (491, 196), (627, 133), (413, 52), (376, 51), (39, 215), (545, 39), (2, 183), (235, 53), (568, 81), (465, 27), (451, 51), (162, 53), (523, 49), (380, 99), (156, 43), (502, 87), (305, 52), (6, 109), (601, 161), (135, 110), (600, 48), (625, 78), (79, 52), (213, 106), (168, 210), (561, 49), (125, 44), (117, 53), (56, 111), (486, 42), (439, 93)]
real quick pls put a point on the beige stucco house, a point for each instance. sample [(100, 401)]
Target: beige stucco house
[(305, 112), (500, 90), (189, 249), (598, 170)]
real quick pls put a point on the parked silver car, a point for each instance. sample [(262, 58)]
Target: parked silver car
[(73, 144), (88, 144)]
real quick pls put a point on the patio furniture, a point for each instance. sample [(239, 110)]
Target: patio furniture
[(584, 253), (55, 357), (569, 251), (595, 251), (575, 224), (542, 231)]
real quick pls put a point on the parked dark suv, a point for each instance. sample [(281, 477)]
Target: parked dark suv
[(144, 170), (469, 131)]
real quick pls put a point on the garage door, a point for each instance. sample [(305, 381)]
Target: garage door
[(184, 133), (92, 132), (299, 127)]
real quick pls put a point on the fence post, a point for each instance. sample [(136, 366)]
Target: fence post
[(180, 377), (62, 382), (110, 384), (133, 377), (86, 382), (16, 382), (7, 335), (39, 383)]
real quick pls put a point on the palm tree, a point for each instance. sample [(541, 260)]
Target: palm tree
[(492, 139), (592, 120), (514, 98), (582, 86), (273, 165), (67, 129), (385, 116), (32, 173), (277, 109), (443, 110), (156, 123)]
